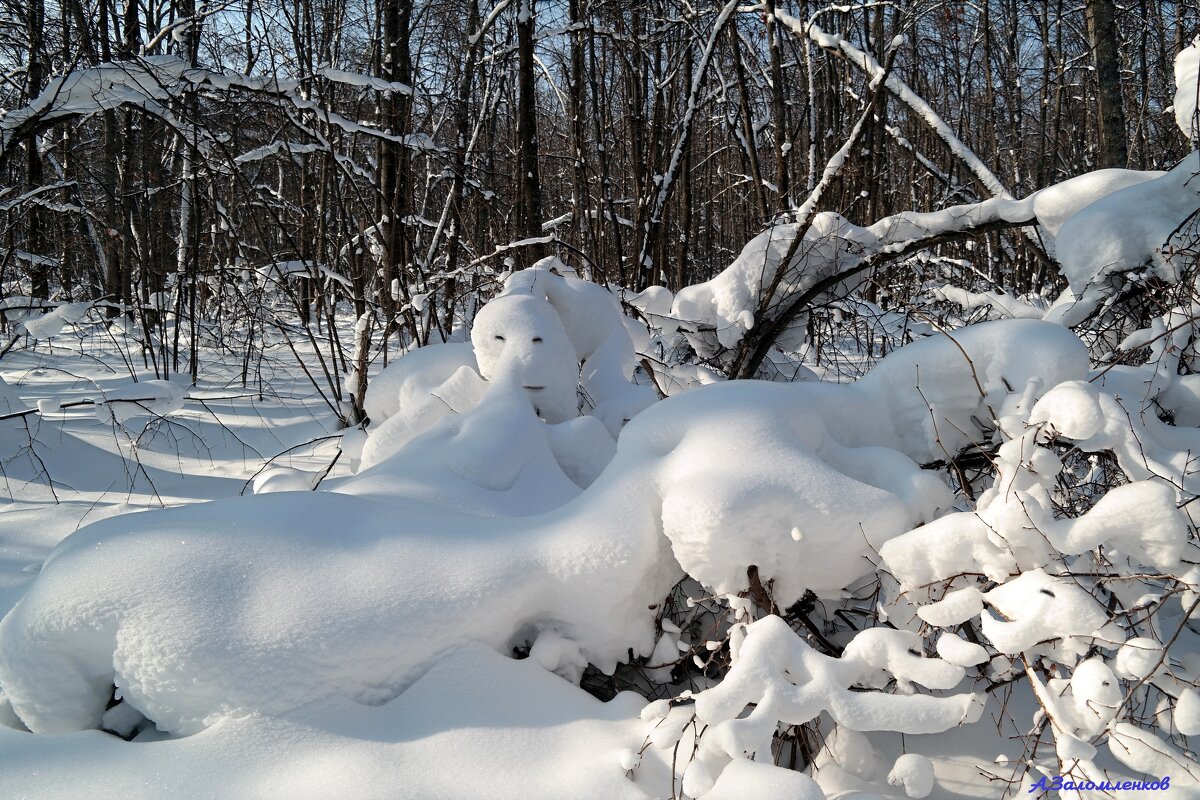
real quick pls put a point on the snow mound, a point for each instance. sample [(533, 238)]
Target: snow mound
[(724, 306), (1055, 204), (1187, 81), (538, 739), (415, 373), (273, 601), (934, 395), (10, 401), (1128, 229), (49, 325), (255, 604), (498, 458), (146, 399), (777, 489), (783, 680)]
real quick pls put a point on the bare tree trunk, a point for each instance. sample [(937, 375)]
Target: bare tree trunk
[(747, 119), (527, 138), (1102, 33), (130, 37), (462, 124), (395, 163), (778, 112), (581, 207), (39, 274)]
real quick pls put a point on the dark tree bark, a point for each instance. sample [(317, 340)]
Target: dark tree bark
[(527, 138), (395, 163), (1102, 33), (778, 111), (39, 274)]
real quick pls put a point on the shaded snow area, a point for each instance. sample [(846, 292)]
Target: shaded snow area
[(567, 559)]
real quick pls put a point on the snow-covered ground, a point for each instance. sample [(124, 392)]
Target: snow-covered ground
[(971, 572), (441, 547)]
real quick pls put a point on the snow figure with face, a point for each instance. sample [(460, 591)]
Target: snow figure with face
[(521, 339), (511, 445)]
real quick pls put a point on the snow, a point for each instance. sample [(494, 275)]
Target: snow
[(1138, 658), (1005, 305), (1187, 81), (953, 649), (1036, 607), (365, 81), (1147, 754), (595, 329), (1128, 228), (765, 462), (192, 623), (208, 613), (954, 609), (418, 606), (431, 366), (284, 479), (1187, 713), (1056, 204), (454, 734), (789, 682), (743, 778), (1097, 418), (51, 324), (144, 82), (134, 401), (913, 772), (522, 339)]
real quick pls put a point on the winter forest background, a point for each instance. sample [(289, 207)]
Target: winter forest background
[(599, 399)]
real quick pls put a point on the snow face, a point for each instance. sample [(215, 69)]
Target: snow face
[(522, 340), (535, 336), (597, 331)]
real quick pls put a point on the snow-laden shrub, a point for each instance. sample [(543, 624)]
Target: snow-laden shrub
[(981, 532), (275, 600)]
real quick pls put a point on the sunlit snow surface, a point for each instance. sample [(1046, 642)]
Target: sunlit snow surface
[(253, 612), (354, 641)]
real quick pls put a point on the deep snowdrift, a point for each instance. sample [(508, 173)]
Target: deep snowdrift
[(526, 489), (272, 601)]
